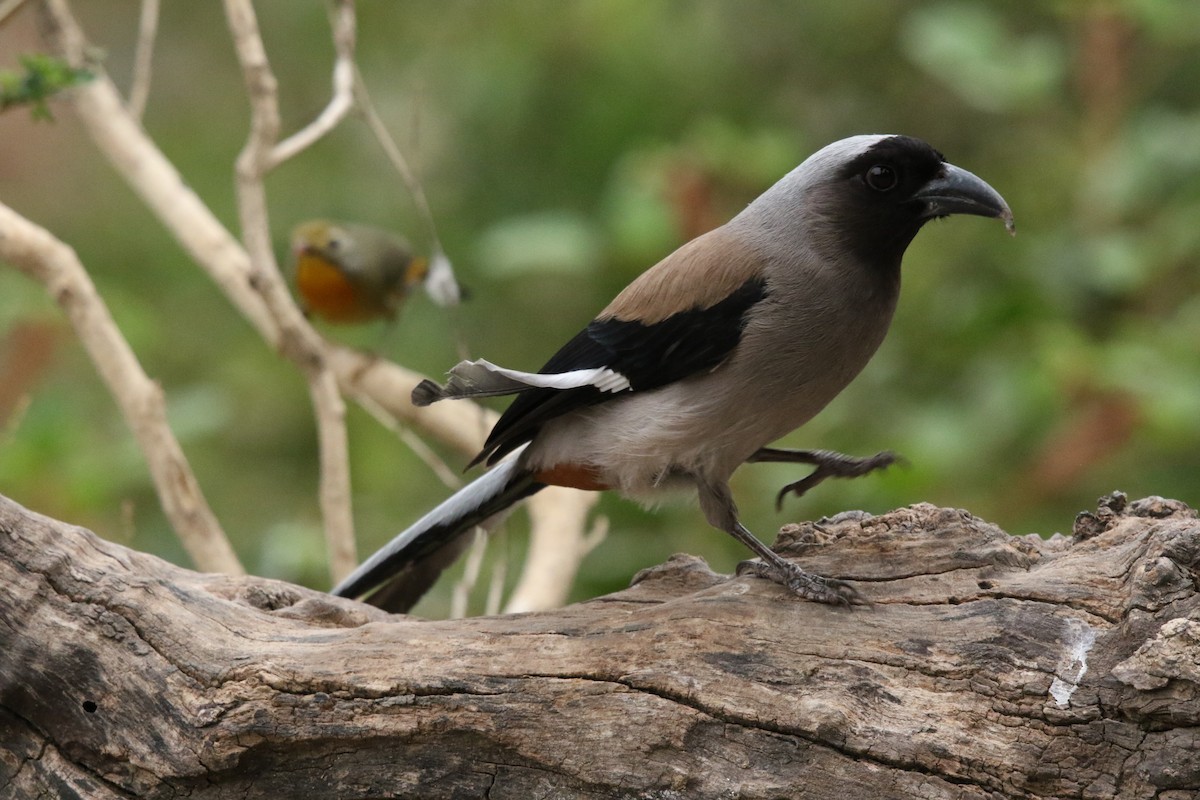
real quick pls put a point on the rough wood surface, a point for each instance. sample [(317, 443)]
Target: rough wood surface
[(989, 667)]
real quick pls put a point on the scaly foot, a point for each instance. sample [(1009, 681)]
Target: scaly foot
[(805, 584)]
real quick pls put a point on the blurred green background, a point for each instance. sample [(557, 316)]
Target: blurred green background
[(565, 147)]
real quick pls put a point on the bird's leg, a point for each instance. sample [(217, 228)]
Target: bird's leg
[(718, 506), (828, 465)]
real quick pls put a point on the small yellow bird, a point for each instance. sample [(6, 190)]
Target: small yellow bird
[(350, 273)]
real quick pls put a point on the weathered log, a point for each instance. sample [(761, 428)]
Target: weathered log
[(989, 666)]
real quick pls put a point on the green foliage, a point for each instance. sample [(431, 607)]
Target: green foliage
[(42, 78), (971, 47)]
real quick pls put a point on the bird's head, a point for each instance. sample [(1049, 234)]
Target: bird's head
[(320, 237), (869, 195)]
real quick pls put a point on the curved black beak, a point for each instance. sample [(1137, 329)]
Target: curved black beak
[(956, 191)]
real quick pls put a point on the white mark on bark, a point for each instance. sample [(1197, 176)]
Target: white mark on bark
[(1079, 638)]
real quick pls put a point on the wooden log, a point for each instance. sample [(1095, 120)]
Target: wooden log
[(989, 666)]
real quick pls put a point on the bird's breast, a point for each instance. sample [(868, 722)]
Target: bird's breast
[(327, 292)]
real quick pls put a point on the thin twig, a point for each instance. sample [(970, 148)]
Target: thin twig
[(8, 8), (423, 451), (392, 151), (341, 102), (557, 546), (139, 89), (440, 283), (37, 253), (460, 596), (462, 425), (495, 595)]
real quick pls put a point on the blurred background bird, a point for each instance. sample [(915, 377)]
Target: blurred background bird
[(347, 273)]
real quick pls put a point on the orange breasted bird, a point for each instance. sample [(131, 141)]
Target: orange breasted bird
[(350, 273)]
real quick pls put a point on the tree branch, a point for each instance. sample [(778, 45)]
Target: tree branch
[(558, 542), (256, 289), (989, 666), (301, 343), (341, 102), (148, 172), (139, 88), (36, 252), (8, 8)]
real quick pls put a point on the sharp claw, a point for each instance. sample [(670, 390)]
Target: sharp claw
[(799, 488), (839, 466), (830, 591)]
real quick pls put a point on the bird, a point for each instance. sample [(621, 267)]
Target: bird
[(737, 338), (348, 273)]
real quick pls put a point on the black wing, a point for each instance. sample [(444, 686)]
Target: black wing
[(649, 356)]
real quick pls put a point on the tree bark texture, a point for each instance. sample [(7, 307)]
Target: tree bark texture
[(989, 666)]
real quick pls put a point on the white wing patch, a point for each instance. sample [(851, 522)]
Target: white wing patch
[(484, 379)]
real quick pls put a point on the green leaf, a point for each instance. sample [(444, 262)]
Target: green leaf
[(43, 77)]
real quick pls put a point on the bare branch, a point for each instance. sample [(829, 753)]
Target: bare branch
[(344, 33), (259, 292), (144, 167), (255, 286), (415, 443), (461, 425), (8, 8), (301, 342), (495, 595), (334, 489), (139, 89), (37, 253), (557, 545), (260, 81), (472, 565)]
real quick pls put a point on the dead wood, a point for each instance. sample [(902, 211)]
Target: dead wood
[(990, 666)]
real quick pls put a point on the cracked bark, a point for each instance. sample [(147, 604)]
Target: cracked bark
[(989, 666)]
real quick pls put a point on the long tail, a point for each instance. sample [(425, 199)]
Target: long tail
[(397, 575)]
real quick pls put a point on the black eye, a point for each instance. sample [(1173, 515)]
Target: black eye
[(881, 178)]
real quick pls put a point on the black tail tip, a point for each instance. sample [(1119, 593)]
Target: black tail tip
[(426, 393)]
